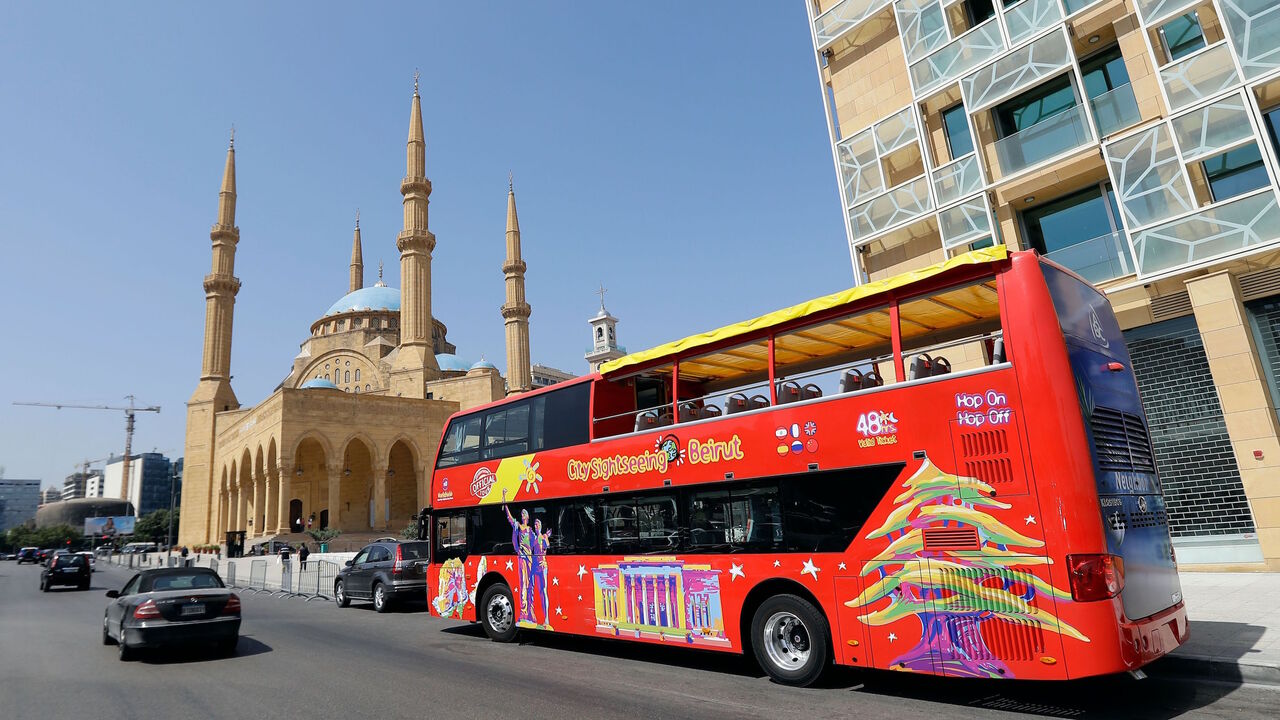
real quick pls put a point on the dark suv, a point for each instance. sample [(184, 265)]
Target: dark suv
[(383, 572), (65, 570)]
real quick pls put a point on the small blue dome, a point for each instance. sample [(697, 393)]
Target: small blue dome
[(483, 365), (378, 297), (449, 362), (319, 383)]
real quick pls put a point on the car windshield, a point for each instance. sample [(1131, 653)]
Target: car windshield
[(182, 581), (413, 550)]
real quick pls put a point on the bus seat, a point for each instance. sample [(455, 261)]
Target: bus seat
[(810, 391), (710, 411), (758, 401), (736, 403), (788, 392), (851, 380), (941, 366), (688, 412), (921, 367), (997, 351), (872, 379), (664, 419), (646, 420)]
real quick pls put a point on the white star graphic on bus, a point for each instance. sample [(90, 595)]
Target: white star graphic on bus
[(555, 581), (735, 572), (892, 637), (1029, 520), (842, 566), (777, 563), (582, 570), (810, 569), (579, 598), (558, 611), (508, 564)]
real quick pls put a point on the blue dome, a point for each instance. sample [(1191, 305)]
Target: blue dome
[(378, 297), (451, 363), (319, 383), (483, 365)]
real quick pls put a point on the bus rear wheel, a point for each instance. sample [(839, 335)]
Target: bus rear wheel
[(791, 640), (498, 613)]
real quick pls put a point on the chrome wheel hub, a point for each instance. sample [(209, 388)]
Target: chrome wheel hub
[(500, 613), (786, 641)]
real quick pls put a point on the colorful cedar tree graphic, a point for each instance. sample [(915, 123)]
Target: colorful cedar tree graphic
[(954, 593)]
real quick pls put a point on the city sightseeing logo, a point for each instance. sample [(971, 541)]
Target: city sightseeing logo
[(482, 482)]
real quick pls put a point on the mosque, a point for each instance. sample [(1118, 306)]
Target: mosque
[(347, 439)]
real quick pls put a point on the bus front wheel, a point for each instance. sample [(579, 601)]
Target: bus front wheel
[(498, 613), (791, 640)]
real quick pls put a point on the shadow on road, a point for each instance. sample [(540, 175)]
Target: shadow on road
[(183, 655), (1159, 697), (398, 607)]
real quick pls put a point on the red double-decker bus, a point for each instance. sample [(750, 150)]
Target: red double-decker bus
[(943, 472)]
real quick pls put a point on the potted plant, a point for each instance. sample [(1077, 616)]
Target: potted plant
[(323, 537)]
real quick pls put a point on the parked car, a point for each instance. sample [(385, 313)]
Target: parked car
[(29, 554), (65, 569), (383, 572), (270, 547), (89, 558), (172, 607), (140, 547)]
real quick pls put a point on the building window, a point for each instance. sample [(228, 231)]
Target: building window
[(357, 374), (1182, 36), (1235, 172), (346, 376), (979, 11), (1082, 232), (955, 126), (366, 387), (1106, 83), (357, 322), (1034, 106)]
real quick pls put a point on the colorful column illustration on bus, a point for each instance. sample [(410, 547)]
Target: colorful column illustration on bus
[(953, 595), (659, 598), (451, 596)]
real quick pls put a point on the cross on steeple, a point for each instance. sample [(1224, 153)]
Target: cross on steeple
[(601, 293)]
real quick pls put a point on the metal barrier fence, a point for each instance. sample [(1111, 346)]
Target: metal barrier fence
[(258, 575), (230, 579)]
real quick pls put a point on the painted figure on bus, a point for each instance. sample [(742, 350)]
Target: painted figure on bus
[(541, 541), (451, 594), (522, 537)]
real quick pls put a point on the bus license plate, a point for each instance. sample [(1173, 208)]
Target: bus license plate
[(192, 610)]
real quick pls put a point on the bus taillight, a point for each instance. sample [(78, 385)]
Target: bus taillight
[(1095, 576)]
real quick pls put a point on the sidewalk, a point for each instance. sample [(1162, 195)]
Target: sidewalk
[(1235, 628)]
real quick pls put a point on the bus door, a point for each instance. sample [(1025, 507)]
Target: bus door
[(851, 639)]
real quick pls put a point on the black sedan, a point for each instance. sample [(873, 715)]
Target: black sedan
[(172, 607), (65, 570)]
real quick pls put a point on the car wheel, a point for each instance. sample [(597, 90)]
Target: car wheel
[(791, 640), (106, 636), (125, 652), (340, 594), (498, 614), (381, 602)]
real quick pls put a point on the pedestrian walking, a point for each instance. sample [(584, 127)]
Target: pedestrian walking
[(284, 555), (303, 552)]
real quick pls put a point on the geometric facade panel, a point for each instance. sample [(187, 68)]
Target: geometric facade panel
[(1151, 183), (957, 179), (1199, 76), (1253, 26), (1016, 71), (835, 22), (1030, 17), (1212, 128), (957, 57), (896, 206), (923, 27), (1234, 225)]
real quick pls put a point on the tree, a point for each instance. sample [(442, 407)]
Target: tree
[(954, 594), (152, 527)]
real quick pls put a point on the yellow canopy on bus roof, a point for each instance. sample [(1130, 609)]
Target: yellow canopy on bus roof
[(778, 317)]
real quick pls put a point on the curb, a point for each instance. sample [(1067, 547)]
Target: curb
[(1219, 669)]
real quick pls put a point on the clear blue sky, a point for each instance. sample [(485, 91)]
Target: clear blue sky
[(675, 151)]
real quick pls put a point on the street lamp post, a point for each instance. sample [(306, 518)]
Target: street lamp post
[(168, 534)]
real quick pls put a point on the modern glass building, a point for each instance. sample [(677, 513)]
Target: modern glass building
[(1133, 141), (18, 502)]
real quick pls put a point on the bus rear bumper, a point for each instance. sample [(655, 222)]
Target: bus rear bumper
[(1145, 640)]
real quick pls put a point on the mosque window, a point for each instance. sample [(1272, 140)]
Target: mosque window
[(341, 324), (326, 366), (357, 374), (326, 376), (357, 389), (357, 322), (347, 376), (366, 387)]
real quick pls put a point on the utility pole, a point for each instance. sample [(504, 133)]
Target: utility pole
[(129, 412), (168, 534)]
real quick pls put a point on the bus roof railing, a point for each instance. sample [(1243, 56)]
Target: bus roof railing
[(969, 264)]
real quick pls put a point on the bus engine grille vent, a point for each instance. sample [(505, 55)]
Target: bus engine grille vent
[(986, 456), (953, 538), (1121, 441), (1003, 638)]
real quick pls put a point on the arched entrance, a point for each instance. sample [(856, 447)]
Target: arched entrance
[(310, 482), (402, 486), (355, 496), (296, 522)]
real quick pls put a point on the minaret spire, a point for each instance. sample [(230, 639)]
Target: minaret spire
[(221, 285), (415, 361), (516, 311), (357, 259)]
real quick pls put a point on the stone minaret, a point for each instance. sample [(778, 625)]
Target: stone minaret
[(213, 394), (415, 361), (357, 260), (515, 311)]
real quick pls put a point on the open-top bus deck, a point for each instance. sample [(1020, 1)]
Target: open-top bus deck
[(943, 472)]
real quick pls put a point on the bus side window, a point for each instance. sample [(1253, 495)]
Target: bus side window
[(575, 530), (451, 536), (823, 511), (461, 442), (506, 431), (744, 518), (490, 531)]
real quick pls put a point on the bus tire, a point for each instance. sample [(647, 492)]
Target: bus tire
[(791, 640), (498, 613)]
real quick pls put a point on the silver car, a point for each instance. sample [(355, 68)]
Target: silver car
[(172, 607)]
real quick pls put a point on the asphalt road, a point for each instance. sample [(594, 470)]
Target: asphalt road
[(304, 660)]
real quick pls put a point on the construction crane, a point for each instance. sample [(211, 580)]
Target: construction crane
[(129, 412), (83, 466)]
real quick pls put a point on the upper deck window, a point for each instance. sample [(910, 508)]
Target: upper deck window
[(550, 420)]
